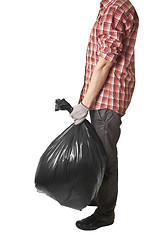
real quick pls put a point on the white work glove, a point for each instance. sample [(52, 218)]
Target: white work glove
[(79, 113)]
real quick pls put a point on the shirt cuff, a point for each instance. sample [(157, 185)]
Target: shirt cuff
[(108, 56)]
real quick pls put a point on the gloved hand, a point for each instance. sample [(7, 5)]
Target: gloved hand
[(79, 113)]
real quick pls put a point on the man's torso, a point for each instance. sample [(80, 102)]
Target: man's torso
[(115, 30)]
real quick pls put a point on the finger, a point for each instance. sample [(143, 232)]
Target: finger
[(79, 121)]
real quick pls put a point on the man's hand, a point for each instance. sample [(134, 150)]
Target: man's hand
[(79, 113)]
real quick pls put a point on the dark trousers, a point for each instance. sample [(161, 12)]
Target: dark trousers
[(107, 124)]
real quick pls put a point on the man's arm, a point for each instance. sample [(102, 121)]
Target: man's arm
[(99, 76)]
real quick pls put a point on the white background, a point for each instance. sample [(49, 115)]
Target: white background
[(42, 57)]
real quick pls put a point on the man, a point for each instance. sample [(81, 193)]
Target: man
[(107, 91)]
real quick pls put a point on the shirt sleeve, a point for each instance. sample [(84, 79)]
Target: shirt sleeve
[(110, 35)]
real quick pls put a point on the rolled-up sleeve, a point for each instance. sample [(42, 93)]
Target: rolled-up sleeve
[(110, 33)]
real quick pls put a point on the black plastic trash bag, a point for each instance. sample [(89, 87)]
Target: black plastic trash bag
[(72, 167)]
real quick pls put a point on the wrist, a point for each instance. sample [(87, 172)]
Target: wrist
[(87, 102), (84, 105)]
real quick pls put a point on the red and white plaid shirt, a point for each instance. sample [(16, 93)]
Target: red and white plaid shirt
[(113, 38)]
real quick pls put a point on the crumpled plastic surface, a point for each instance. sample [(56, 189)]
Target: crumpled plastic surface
[(71, 169)]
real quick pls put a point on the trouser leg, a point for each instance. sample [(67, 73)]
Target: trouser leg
[(107, 124)]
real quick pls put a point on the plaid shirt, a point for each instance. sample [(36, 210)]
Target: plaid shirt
[(113, 38)]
